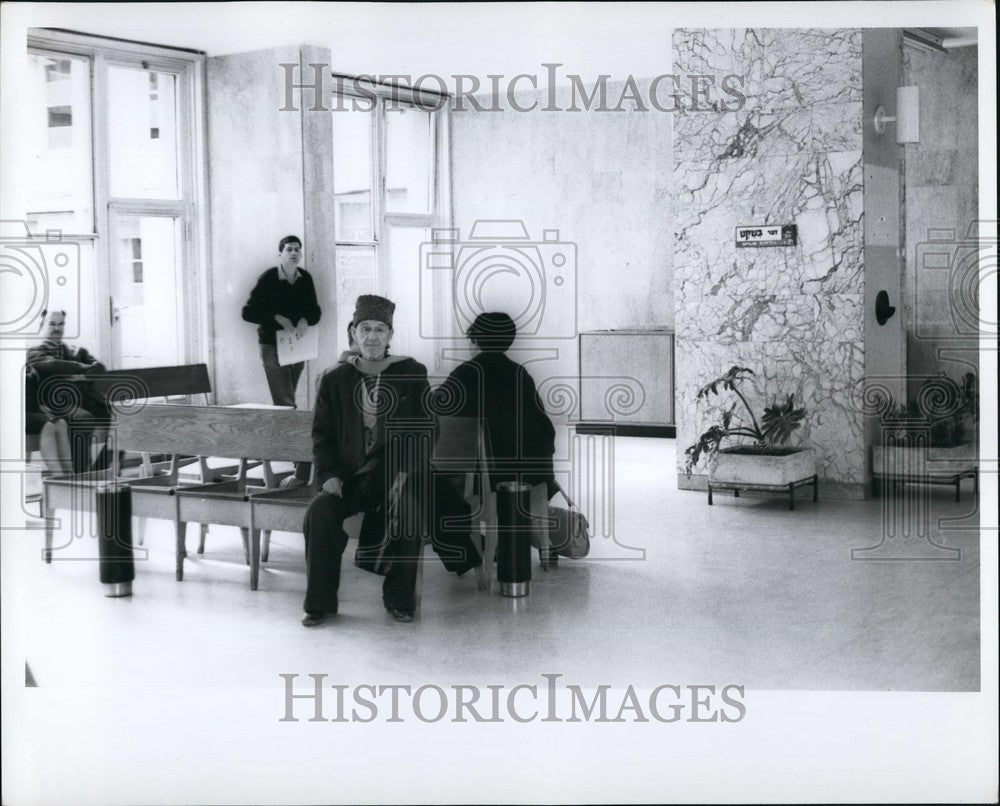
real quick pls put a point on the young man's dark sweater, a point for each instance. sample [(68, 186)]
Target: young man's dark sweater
[(275, 295)]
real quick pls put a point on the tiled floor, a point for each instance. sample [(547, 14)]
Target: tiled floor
[(741, 592)]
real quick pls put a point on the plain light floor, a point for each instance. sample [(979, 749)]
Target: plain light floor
[(742, 592)]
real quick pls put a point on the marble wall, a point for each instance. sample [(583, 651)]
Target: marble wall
[(791, 155), (942, 197)]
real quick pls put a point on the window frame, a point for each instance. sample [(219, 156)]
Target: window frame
[(440, 213), (191, 208)]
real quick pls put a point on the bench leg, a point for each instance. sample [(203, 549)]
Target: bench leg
[(736, 492), (547, 555), (180, 551), (266, 550), (419, 584), (791, 497), (489, 555), (254, 558), (142, 531), (975, 482), (48, 514), (245, 534), (710, 495), (201, 538), (816, 488)]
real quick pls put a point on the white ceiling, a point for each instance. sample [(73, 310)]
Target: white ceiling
[(478, 38)]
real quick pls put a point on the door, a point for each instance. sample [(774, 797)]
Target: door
[(146, 301)]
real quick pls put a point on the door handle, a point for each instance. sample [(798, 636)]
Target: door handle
[(883, 310), (113, 313)]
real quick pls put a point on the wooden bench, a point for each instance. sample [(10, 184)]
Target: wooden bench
[(261, 434), (152, 489), (256, 507), (244, 434), (144, 383), (123, 386)]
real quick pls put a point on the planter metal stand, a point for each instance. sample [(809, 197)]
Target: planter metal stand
[(768, 473), (768, 488), (919, 464)]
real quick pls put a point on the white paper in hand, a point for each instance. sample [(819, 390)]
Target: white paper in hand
[(292, 350)]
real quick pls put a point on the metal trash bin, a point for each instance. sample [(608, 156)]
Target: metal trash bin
[(114, 538), (514, 532)]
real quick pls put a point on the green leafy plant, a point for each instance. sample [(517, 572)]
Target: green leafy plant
[(775, 427), (937, 415)]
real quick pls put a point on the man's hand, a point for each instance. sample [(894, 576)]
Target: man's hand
[(301, 328), (284, 321), (334, 486)]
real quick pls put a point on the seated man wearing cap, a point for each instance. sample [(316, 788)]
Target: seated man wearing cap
[(371, 408)]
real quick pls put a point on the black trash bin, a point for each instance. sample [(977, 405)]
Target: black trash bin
[(114, 538), (514, 533)]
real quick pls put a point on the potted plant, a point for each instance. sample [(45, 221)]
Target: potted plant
[(760, 457), (926, 439)]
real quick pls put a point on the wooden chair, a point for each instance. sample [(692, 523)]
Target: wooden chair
[(462, 447)]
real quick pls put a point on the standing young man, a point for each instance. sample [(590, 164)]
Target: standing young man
[(283, 299)]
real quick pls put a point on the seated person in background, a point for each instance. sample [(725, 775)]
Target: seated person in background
[(52, 432), (89, 419), (502, 394), (365, 403)]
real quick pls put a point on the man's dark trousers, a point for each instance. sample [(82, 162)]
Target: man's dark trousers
[(366, 492)]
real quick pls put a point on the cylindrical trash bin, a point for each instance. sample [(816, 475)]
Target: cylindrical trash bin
[(514, 531), (114, 538)]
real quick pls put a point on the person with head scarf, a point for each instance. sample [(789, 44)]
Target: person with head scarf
[(371, 444), (502, 395)]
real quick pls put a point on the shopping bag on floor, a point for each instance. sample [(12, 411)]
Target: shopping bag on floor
[(569, 530)]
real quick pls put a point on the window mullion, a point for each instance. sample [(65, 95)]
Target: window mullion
[(100, 134)]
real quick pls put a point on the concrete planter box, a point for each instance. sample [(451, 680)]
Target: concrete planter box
[(793, 467), (927, 465)]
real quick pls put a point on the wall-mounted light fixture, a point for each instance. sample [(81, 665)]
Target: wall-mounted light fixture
[(907, 117)]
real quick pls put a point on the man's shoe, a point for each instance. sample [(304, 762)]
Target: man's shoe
[(404, 616), (313, 618), (291, 482)]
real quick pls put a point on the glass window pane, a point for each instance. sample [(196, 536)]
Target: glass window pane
[(408, 181), (406, 291), (147, 292), (142, 113), (356, 275), (61, 193), (352, 174)]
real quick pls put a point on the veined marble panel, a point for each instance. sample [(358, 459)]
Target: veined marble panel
[(795, 315), (718, 53), (810, 66), (782, 68), (706, 137), (821, 193)]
